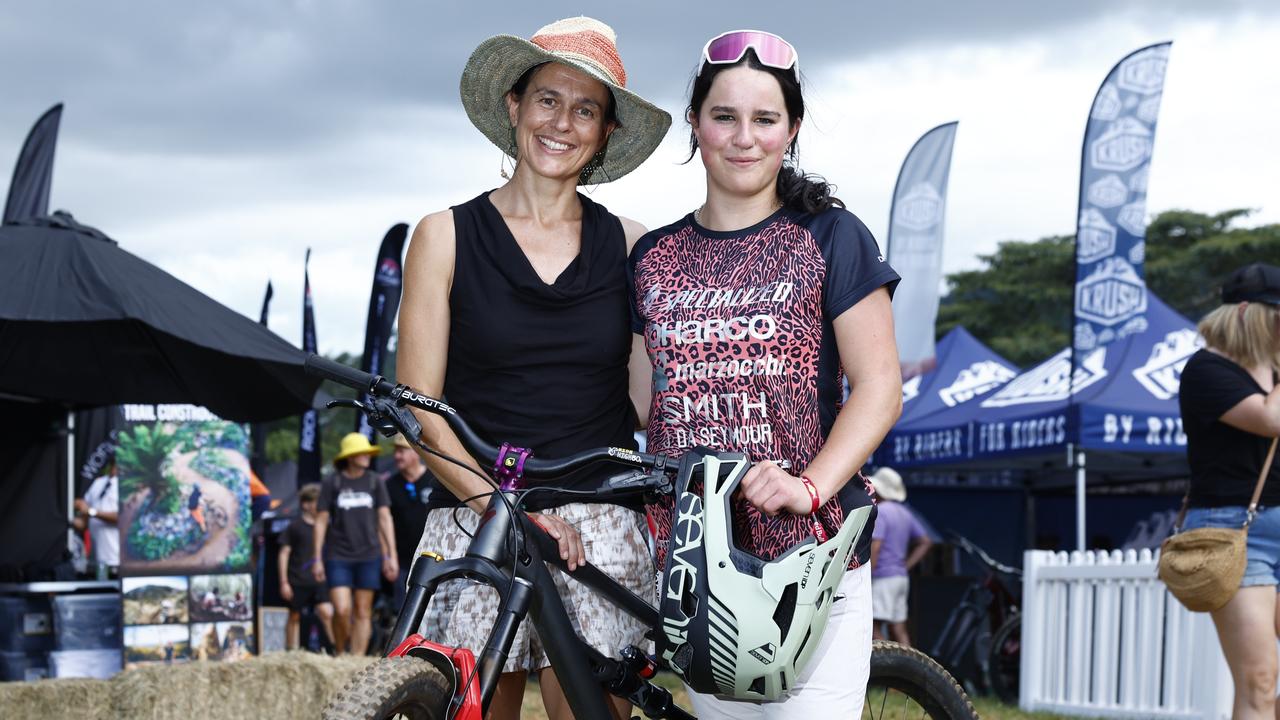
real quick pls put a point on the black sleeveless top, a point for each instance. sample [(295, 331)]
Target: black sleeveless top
[(535, 365)]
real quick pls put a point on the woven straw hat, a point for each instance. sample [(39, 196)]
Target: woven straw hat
[(888, 484), (580, 43)]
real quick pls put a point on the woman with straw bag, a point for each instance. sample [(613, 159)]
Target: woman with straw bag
[(1228, 559)]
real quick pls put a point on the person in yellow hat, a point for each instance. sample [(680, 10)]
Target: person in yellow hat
[(354, 538)]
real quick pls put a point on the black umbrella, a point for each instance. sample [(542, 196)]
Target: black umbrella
[(86, 323)]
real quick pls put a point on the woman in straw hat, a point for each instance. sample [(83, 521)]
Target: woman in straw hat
[(1230, 403), (354, 539), (515, 308), (777, 291)]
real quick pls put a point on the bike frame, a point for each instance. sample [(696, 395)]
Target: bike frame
[(580, 669)]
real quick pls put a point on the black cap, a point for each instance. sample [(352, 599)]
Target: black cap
[(1257, 282)]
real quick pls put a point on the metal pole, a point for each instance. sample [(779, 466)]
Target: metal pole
[(71, 475), (1080, 497)]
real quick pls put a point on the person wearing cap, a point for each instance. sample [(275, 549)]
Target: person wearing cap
[(898, 543), (354, 538), (1230, 403), (752, 307), (515, 308), (409, 488)]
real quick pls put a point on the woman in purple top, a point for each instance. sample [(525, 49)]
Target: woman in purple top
[(898, 542)]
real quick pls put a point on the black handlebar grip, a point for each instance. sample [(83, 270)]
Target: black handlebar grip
[(337, 372)]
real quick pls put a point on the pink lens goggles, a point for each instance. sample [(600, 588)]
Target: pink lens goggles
[(771, 50)]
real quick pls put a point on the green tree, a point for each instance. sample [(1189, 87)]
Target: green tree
[(1019, 303), (282, 435)]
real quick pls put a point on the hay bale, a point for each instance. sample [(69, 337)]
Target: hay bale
[(71, 697), (279, 685)]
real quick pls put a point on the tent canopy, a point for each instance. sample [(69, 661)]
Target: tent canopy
[(84, 323), (1123, 409), (966, 369)]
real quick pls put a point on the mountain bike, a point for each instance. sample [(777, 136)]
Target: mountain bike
[(422, 680), (985, 626)]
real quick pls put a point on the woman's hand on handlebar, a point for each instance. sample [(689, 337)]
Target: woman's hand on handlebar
[(773, 490), (565, 535)]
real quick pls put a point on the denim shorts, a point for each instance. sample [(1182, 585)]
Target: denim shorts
[(358, 574), (1262, 565)]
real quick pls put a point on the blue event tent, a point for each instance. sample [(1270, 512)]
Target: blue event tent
[(965, 369), (1123, 413)]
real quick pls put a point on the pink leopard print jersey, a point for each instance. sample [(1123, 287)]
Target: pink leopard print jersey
[(738, 327)]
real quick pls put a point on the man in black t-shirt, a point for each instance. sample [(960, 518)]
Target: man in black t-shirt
[(409, 489)]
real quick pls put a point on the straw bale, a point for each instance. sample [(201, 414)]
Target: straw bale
[(280, 685), (71, 698)]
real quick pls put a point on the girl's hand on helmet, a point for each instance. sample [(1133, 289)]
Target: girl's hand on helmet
[(773, 490), (566, 535)]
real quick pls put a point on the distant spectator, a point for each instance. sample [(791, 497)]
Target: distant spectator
[(1230, 403), (354, 537), (898, 542), (408, 487), (298, 585), (98, 512)]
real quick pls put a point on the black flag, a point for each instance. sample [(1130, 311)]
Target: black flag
[(258, 432), (384, 301), (33, 173), (309, 434)]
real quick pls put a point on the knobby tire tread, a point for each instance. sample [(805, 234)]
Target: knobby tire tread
[(387, 683), (921, 678)]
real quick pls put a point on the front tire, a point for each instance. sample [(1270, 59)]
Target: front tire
[(905, 683), (402, 687)]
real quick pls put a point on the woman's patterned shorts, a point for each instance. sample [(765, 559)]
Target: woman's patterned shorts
[(462, 613)]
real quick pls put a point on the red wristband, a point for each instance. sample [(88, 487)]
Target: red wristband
[(818, 531), (813, 493)]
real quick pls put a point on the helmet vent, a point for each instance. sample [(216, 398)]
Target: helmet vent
[(786, 609), (808, 635), (689, 598), (757, 685)]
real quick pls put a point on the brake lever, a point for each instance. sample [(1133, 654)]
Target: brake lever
[(348, 403), (392, 418)]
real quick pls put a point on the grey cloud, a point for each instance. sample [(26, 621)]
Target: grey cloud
[(247, 78)]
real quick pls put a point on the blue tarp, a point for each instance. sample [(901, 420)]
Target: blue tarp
[(1125, 404)]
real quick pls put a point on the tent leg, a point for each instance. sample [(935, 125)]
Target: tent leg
[(1080, 500), (71, 475)]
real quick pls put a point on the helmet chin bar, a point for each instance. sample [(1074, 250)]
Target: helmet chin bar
[(732, 623)]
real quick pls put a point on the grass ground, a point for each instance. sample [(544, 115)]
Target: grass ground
[(988, 708)]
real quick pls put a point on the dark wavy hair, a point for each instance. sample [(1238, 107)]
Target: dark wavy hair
[(797, 189)]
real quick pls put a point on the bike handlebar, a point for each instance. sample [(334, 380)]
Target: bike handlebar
[(381, 388), (967, 545)]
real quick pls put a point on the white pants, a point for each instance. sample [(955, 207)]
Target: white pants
[(835, 682)]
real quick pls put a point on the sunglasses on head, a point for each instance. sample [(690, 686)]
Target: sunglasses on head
[(771, 50)]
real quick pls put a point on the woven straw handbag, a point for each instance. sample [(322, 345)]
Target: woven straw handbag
[(1203, 567)]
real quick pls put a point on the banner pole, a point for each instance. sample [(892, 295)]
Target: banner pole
[(1080, 500)]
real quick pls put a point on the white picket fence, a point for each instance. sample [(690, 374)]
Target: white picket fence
[(1102, 637)]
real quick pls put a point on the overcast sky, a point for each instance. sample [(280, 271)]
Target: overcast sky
[(219, 140)]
